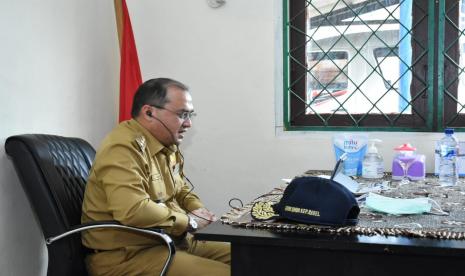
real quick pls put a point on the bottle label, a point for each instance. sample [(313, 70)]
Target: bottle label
[(372, 170), (448, 152)]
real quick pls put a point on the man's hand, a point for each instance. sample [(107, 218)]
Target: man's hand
[(203, 217)]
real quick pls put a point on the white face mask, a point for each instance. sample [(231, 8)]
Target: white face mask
[(400, 206)]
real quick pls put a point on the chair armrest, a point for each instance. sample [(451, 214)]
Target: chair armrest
[(115, 224)]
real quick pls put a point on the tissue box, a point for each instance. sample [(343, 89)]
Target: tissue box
[(416, 171)]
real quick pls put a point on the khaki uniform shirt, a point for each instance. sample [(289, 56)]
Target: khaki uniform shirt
[(138, 182)]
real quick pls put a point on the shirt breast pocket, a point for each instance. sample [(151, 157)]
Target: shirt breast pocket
[(178, 182), (157, 186)]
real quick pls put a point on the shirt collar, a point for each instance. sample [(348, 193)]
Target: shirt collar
[(152, 143)]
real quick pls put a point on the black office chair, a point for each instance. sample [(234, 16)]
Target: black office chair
[(53, 171)]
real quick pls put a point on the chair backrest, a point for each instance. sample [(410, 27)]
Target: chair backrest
[(53, 171)]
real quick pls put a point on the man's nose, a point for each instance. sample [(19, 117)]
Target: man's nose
[(187, 123)]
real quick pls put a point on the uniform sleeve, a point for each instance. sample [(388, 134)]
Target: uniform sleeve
[(122, 173)]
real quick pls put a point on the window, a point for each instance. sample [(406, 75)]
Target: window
[(327, 81), (391, 65)]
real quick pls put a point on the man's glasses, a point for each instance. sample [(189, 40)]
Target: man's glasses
[(181, 115)]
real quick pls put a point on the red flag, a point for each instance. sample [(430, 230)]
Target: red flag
[(130, 76)]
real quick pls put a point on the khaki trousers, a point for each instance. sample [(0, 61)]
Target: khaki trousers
[(201, 258)]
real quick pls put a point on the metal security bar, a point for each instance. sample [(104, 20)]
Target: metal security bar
[(358, 65), (451, 57)]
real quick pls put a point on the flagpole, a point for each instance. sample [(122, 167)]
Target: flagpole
[(119, 20)]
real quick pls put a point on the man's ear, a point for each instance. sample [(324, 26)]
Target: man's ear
[(146, 111)]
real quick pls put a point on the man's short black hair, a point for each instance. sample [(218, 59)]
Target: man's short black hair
[(153, 92)]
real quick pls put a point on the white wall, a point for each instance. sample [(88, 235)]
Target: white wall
[(58, 74), (231, 58)]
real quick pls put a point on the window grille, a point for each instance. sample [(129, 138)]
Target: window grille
[(451, 65), (390, 65)]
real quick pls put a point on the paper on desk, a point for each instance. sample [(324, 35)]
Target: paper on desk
[(355, 188), (375, 187), (347, 182)]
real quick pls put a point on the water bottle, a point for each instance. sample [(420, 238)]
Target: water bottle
[(448, 151), (372, 165)]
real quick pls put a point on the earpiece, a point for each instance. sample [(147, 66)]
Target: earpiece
[(149, 113)]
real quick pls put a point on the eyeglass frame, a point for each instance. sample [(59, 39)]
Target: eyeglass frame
[(183, 116)]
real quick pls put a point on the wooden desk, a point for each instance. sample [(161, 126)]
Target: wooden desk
[(263, 252)]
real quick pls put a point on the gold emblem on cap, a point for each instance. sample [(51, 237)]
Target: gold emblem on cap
[(262, 211)]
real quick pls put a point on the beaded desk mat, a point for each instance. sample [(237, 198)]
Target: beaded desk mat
[(450, 199)]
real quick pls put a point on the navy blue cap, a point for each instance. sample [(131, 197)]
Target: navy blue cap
[(314, 200)]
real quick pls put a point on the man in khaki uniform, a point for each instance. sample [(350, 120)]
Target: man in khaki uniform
[(137, 179)]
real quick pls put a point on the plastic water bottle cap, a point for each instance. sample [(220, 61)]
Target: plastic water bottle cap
[(449, 131)]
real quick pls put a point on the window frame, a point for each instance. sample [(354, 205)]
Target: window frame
[(422, 97), (447, 74)]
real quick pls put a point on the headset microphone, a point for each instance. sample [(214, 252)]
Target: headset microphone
[(149, 113)]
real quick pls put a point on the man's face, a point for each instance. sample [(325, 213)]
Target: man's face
[(175, 116)]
